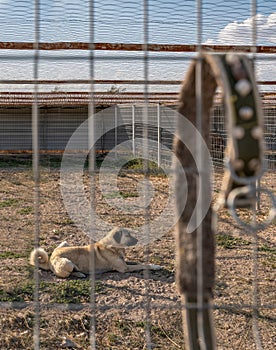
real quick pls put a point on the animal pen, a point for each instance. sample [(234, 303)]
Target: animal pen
[(145, 115)]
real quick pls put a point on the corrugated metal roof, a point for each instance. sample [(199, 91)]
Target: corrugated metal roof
[(18, 99), (82, 98)]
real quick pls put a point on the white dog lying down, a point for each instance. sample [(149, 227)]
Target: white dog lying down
[(77, 261)]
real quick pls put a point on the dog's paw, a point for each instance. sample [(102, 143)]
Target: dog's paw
[(63, 244), (78, 274), (155, 267)]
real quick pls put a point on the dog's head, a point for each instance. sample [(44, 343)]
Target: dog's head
[(121, 238)]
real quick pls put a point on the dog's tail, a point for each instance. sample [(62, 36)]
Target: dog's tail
[(42, 258)]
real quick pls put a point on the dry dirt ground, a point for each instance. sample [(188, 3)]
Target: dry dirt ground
[(125, 307)]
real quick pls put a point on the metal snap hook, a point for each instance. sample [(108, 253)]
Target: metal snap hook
[(248, 194)]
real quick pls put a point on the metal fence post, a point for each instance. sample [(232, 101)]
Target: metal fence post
[(133, 130), (159, 134), (116, 129)]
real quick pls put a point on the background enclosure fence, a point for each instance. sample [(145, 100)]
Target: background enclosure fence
[(118, 67), (57, 123)]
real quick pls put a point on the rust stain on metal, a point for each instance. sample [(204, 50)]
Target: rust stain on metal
[(133, 47), (88, 81), (105, 81)]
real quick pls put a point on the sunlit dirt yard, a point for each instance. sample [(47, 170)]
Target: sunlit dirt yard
[(123, 306)]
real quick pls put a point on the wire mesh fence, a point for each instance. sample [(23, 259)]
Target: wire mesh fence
[(88, 111)]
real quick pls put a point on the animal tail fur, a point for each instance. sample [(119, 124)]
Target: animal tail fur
[(41, 256)]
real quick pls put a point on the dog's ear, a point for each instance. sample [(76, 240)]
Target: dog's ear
[(118, 236)]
